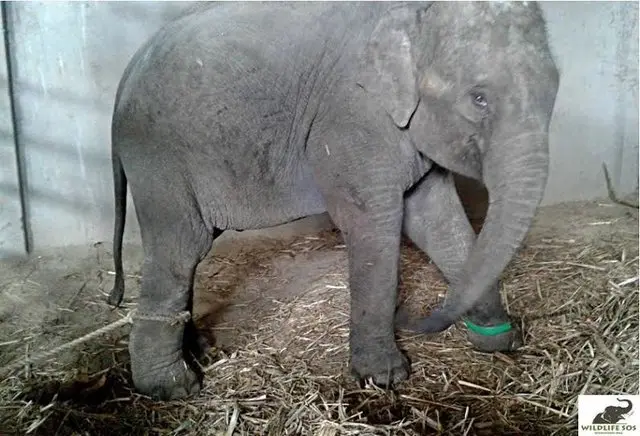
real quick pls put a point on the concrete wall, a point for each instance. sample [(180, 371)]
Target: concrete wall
[(596, 114), (67, 58)]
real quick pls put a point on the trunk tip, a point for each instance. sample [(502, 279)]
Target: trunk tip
[(437, 321)]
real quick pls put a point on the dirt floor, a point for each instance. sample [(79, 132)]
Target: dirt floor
[(276, 311)]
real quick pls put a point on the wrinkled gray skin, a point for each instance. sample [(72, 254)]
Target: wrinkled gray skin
[(245, 116), (613, 414)]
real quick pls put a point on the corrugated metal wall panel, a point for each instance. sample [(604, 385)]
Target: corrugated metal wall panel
[(12, 237)]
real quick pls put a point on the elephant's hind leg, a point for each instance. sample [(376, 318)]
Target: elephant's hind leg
[(175, 239), (436, 222)]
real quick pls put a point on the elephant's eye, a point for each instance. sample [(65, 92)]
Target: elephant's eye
[(479, 100)]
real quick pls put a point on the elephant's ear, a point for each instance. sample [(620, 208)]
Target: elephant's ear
[(388, 69)]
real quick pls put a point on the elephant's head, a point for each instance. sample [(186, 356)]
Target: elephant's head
[(614, 414), (475, 86)]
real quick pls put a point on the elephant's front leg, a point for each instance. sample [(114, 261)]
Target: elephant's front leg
[(362, 178), (436, 222), (374, 252)]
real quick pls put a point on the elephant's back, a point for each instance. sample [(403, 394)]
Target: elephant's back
[(245, 45), (237, 70)]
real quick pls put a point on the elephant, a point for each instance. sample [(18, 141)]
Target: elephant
[(613, 414), (249, 115)]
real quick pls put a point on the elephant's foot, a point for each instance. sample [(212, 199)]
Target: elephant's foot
[(490, 338), (158, 367), (171, 381), (384, 365)]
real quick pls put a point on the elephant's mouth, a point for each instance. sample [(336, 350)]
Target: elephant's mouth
[(474, 146), (471, 157)]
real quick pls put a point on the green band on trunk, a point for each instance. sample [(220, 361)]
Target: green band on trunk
[(492, 330)]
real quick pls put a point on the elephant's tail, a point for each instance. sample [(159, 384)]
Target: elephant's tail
[(120, 197)]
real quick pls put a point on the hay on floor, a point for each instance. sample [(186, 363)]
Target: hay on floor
[(287, 373)]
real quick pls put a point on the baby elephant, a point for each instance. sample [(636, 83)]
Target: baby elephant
[(250, 115)]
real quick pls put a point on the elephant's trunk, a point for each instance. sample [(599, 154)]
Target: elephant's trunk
[(515, 173), (626, 409)]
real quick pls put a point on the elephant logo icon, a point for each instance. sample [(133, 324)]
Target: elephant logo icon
[(613, 414)]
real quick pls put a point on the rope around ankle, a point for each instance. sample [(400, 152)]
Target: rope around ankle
[(181, 317)]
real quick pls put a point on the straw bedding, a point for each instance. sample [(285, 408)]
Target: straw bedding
[(278, 313)]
